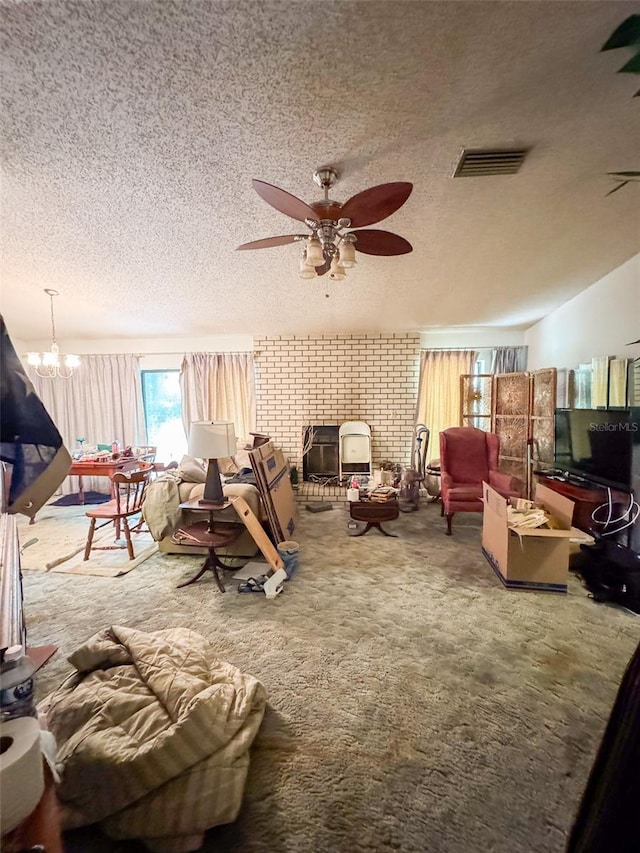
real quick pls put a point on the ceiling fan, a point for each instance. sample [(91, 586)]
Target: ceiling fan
[(331, 244)]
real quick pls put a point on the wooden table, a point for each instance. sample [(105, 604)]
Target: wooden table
[(208, 534), (373, 513), (92, 468)]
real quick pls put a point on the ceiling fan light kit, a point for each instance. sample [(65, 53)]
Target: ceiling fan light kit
[(331, 247)]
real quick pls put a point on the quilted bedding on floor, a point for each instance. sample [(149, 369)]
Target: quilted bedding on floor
[(153, 735)]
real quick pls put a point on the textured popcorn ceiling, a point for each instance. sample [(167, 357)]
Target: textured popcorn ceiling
[(132, 130)]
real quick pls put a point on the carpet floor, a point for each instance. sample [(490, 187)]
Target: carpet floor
[(414, 703), (56, 543)]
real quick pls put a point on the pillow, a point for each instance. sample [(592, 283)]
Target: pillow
[(230, 465), (191, 470), (242, 457), (227, 466)]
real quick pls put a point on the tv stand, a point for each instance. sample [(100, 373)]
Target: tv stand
[(586, 497)]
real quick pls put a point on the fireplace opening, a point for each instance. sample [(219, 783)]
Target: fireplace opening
[(322, 460)]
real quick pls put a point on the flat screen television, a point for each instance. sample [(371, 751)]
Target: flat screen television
[(596, 445)]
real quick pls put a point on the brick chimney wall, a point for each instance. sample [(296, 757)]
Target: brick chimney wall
[(302, 380)]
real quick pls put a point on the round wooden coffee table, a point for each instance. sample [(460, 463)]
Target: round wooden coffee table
[(374, 513)]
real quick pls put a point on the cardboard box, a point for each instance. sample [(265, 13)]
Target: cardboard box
[(274, 484), (529, 558)]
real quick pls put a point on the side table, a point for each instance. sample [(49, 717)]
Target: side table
[(208, 534), (374, 513)]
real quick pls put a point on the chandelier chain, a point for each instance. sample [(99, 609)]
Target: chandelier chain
[(53, 322)]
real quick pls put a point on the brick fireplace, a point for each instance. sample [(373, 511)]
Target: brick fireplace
[(304, 380)]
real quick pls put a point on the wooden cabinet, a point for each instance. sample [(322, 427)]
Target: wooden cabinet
[(586, 500)]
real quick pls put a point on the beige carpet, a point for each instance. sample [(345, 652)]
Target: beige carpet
[(414, 703), (56, 541)]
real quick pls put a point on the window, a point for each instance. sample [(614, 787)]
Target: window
[(478, 398), (163, 413)]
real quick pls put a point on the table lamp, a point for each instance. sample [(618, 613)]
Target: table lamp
[(212, 440)]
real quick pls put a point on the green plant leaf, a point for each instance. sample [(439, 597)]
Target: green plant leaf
[(632, 66), (628, 33), (619, 187)]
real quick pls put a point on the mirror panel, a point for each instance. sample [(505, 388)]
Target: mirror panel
[(606, 383), (618, 368), (599, 382), (580, 387)]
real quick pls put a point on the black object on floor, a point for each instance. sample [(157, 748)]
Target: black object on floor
[(89, 498), (321, 506), (611, 572), (607, 815)]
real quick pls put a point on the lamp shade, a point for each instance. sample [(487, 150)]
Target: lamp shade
[(305, 270), (337, 272), (315, 257), (347, 254), (212, 439)]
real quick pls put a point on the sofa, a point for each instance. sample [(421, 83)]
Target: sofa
[(162, 513)]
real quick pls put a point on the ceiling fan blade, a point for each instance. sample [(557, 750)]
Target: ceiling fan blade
[(267, 242), (371, 241), (376, 203), (284, 201)]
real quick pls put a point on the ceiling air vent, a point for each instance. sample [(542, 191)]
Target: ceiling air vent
[(480, 162)]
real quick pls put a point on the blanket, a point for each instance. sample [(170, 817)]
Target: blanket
[(153, 735)]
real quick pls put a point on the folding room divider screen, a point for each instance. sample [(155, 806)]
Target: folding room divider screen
[(520, 409)]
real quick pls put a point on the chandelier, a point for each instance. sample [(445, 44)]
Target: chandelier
[(53, 363)]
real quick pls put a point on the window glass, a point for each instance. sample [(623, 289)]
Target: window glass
[(163, 413)]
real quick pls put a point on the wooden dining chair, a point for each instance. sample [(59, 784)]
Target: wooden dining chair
[(128, 491)]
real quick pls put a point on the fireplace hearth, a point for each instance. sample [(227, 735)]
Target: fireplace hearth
[(322, 460)]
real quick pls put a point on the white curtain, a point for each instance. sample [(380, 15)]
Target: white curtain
[(219, 387), (101, 402), (439, 391)]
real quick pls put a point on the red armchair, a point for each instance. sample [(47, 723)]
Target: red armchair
[(469, 456)]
